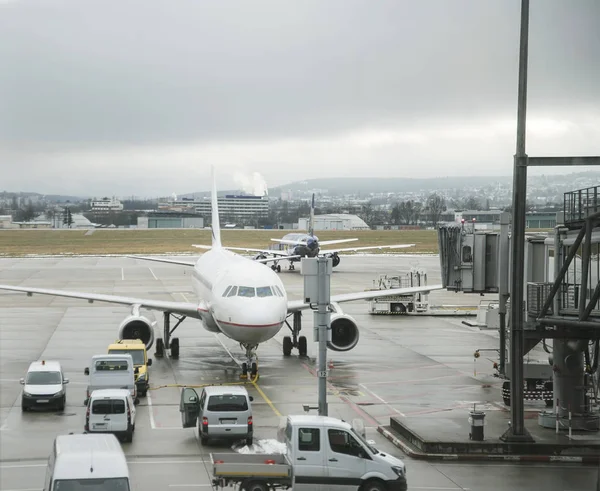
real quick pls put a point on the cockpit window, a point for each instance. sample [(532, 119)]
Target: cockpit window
[(279, 290), (264, 291), (232, 292), (246, 291), (227, 290)]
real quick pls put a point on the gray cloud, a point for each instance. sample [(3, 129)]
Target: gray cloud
[(80, 78)]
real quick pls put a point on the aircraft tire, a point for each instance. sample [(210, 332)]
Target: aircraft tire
[(278, 268), (175, 348), (302, 348), (160, 348), (287, 346), (254, 370)]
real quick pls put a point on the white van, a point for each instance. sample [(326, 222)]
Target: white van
[(44, 386), (111, 372), (90, 462), (111, 411), (222, 412)]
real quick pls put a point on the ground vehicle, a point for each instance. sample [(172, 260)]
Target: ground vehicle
[(111, 372), (111, 411), (137, 349), (221, 412), (323, 453), (94, 462), (44, 385)]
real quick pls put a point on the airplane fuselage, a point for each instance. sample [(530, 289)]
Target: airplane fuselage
[(242, 299), (308, 248)]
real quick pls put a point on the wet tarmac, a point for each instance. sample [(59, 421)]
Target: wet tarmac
[(403, 366)]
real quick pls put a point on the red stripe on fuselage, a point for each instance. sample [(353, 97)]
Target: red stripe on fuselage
[(249, 325)]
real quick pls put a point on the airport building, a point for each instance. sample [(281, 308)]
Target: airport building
[(170, 220), (232, 208), (335, 221)]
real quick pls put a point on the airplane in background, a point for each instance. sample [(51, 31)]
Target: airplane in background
[(304, 245), (237, 297)]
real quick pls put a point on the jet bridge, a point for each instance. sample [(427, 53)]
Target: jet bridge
[(562, 302)]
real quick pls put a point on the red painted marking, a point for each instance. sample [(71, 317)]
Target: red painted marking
[(202, 310), (248, 325)]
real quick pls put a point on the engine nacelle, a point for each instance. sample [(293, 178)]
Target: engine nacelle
[(344, 333), (138, 327)]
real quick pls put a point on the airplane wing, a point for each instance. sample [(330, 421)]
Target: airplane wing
[(246, 249), (184, 308), (168, 261), (365, 248), (278, 258), (289, 242), (337, 241), (296, 305)]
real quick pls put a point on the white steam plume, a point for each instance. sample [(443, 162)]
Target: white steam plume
[(254, 184)]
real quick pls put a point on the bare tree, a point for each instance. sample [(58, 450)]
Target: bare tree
[(436, 205)]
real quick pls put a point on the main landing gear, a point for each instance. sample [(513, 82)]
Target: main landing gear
[(276, 267), (167, 342), (251, 362), (294, 341)]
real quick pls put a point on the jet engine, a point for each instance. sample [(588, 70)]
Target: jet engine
[(138, 327), (344, 333)]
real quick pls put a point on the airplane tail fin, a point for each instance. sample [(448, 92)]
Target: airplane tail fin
[(311, 220), (215, 224)]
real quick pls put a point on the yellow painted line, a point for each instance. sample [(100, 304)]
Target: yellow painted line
[(267, 400)]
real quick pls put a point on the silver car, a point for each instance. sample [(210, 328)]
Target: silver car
[(222, 412)]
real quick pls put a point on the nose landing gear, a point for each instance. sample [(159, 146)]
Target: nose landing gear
[(251, 362)]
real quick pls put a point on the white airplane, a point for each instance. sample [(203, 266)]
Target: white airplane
[(237, 297), (305, 245)]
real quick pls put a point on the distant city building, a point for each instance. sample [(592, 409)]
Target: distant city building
[(106, 205), (335, 221), (232, 208)]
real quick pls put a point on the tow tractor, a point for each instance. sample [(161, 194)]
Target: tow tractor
[(414, 303)]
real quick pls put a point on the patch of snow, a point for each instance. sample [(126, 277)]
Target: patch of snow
[(261, 447)]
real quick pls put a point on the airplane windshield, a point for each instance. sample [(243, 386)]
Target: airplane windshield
[(264, 291), (246, 291)]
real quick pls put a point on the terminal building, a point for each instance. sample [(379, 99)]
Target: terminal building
[(490, 218)]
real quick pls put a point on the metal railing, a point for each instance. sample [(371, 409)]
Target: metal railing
[(580, 204), (568, 299)]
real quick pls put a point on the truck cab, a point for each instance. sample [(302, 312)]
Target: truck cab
[(328, 454), (137, 349)]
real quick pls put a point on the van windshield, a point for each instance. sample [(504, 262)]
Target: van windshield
[(43, 378), (136, 354), (108, 484), (227, 403)]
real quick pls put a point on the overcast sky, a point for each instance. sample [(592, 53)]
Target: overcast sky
[(142, 96)]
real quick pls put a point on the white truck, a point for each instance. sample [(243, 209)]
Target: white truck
[(322, 454)]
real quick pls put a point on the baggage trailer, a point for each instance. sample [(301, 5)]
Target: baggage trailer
[(254, 472)]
